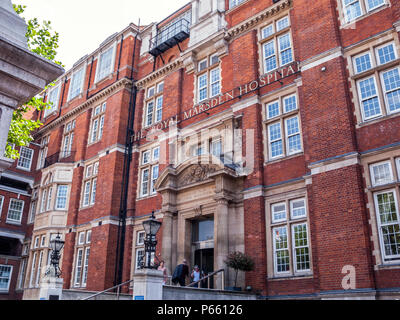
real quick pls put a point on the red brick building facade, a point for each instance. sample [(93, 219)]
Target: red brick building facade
[(267, 127)]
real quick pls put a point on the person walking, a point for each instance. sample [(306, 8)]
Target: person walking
[(196, 276), (180, 273), (162, 268)]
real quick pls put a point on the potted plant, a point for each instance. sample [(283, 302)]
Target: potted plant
[(239, 261)]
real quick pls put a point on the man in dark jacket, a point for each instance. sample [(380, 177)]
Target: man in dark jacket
[(180, 273)]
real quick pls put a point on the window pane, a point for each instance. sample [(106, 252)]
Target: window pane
[(25, 159), (352, 9), (363, 63), (5, 277), (300, 242), (278, 212), (298, 208), (281, 249), (387, 208), (267, 31), (381, 174), (15, 210), (282, 24), (273, 109), (369, 98), (290, 103), (285, 49), (372, 4), (270, 58), (76, 84), (386, 54), (105, 64), (149, 117), (275, 138), (391, 80), (61, 201)]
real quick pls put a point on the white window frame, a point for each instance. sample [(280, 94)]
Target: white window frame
[(381, 242), (13, 221), (58, 197), (78, 267), (9, 279), (272, 141), (296, 271), (346, 17), (81, 238), (272, 212), (19, 166), (33, 270), (1, 204), (99, 77), (89, 236), (85, 267), (397, 161), (49, 198), (371, 168), (137, 257), (292, 135), (291, 208), (385, 93), (275, 249), (73, 94), (235, 3), (154, 180), (38, 269), (390, 43), (371, 9), (145, 191), (361, 99), (281, 64), (138, 237), (361, 55), (53, 107), (274, 42)]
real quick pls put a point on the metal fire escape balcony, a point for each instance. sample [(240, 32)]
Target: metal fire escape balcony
[(169, 37), (60, 157)]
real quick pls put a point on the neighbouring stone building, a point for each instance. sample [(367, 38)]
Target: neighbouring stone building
[(267, 127), (23, 74)]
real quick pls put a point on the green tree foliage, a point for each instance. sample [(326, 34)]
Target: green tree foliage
[(239, 261), (42, 41)]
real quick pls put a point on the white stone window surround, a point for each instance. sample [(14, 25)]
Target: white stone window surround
[(273, 36), (26, 157), (208, 75), (89, 185), (363, 9), (153, 104), (287, 105), (77, 83), (235, 3), (149, 167), (97, 123), (370, 46), (102, 74), (287, 194)]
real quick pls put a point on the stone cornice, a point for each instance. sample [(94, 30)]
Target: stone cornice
[(256, 19), (124, 82), (159, 73)]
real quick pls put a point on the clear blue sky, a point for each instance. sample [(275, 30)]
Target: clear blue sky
[(84, 24)]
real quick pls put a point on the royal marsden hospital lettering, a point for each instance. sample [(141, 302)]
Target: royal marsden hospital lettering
[(264, 80)]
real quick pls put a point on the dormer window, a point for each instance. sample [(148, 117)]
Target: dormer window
[(76, 85), (52, 100), (105, 64)]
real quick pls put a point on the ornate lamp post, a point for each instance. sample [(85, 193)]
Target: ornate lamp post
[(151, 228), (56, 245)]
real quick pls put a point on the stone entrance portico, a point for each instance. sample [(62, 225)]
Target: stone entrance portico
[(201, 187)]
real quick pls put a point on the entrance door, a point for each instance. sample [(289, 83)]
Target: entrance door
[(204, 258), (203, 246)]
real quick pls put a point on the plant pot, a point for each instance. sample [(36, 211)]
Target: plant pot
[(233, 288)]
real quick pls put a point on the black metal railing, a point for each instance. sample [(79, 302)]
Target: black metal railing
[(170, 36), (60, 157)]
